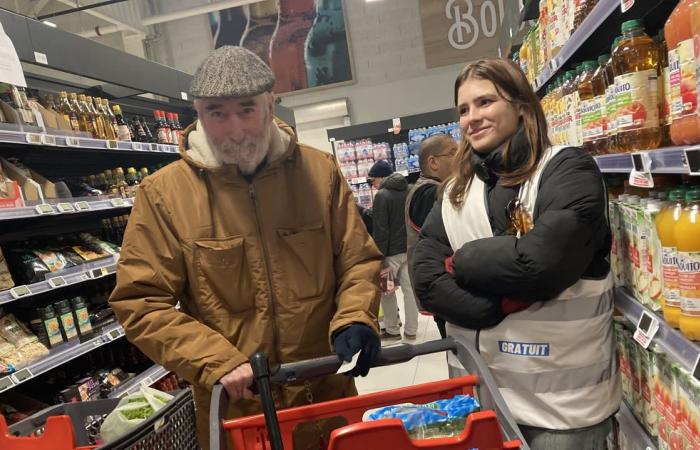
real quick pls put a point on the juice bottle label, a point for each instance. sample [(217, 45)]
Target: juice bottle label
[(665, 113), (592, 119), (669, 260), (636, 98), (611, 110), (689, 282), (571, 105), (681, 62)]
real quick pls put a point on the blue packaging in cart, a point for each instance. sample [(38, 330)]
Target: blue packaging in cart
[(442, 418)]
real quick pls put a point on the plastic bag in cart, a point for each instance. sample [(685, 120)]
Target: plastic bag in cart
[(441, 418), (131, 411)]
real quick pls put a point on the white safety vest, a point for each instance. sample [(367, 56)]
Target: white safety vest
[(555, 362)]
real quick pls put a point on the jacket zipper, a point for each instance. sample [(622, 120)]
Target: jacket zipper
[(251, 192)]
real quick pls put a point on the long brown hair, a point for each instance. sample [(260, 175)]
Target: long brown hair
[(512, 85)]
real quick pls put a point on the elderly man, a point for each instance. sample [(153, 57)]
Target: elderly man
[(258, 238)]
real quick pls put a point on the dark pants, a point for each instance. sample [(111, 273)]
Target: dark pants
[(591, 438), (441, 326)]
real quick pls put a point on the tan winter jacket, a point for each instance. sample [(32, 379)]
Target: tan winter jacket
[(275, 265)]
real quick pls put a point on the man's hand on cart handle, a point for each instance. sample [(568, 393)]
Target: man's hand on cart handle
[(237, 382), (355, 338)]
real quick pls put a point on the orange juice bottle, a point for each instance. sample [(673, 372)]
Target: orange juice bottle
[(688, 243), (685, 124), (636, 63), (666, 222)]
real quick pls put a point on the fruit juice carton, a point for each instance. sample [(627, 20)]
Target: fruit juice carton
[(685, 401), (674, 410), (651, 263), (635, 371), (647, 361), (666, 399), (615, 251), (623, 358)]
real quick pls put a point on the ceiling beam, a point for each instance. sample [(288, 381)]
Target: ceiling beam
[(123, 25)]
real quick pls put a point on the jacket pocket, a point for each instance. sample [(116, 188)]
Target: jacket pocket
[(223, 275), (307, 261)]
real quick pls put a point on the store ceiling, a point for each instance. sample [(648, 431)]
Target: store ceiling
[(132, 17)]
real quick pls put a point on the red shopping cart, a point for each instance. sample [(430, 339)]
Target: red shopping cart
[(76, 426), (492, 428)]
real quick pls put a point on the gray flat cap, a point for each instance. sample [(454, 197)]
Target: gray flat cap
[(231, 71)]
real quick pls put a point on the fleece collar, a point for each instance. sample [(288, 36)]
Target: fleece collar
[(196, 151)]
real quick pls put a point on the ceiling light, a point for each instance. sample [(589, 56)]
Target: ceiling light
[(47, 23)]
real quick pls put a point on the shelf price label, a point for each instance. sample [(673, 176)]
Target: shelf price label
[(112, 144), (647, 327), (20, 291), (118, 202), (22, 375), (147, 381), (114, 334), (82, 206), (44, 208), (692, 159), (6, 383), (136, 146), (47, 139), (33, 138), (640, 176), (72, 141), (625, 5), (99, 272), (65, 207), (153, 147), (56, 282)]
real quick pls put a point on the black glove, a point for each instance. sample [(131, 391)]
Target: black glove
[(354, 338)]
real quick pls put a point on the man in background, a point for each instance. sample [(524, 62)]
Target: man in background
[(436, 154), (389, 232)]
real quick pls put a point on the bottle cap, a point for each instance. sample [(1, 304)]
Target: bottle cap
[(632, 25)]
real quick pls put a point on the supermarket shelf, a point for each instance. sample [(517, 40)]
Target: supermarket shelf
[(146, 378), (61, 355), (65, 206), (677, 346), (49, 140), (637, 437), (664, 160), (595, 19), (361, 180), (73, 275)]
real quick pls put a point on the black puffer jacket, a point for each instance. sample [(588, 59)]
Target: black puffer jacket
[(389, 216), (570, 240)]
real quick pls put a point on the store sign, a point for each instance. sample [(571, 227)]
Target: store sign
[(457, 31), (10, 68)]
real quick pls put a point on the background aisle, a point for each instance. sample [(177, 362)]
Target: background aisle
[(419, 370)]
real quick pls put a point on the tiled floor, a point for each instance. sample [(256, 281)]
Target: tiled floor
[(419, 370)]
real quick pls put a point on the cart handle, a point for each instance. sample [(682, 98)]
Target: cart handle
[(328, 365)]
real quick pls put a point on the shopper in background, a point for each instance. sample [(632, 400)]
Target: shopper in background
[(522, 219), (389, 232), (435, 157), (258, 239)]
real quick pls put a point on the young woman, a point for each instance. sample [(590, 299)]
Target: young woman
[(515, 258)]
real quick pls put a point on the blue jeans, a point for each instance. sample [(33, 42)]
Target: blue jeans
[(591, 438)]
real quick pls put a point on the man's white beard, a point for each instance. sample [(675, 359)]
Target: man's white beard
[(246, 155)]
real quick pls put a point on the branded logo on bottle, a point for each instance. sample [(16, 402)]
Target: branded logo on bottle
[(687, 265), (524, 348)]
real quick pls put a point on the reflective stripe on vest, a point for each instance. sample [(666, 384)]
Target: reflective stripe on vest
[(555, 362)]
